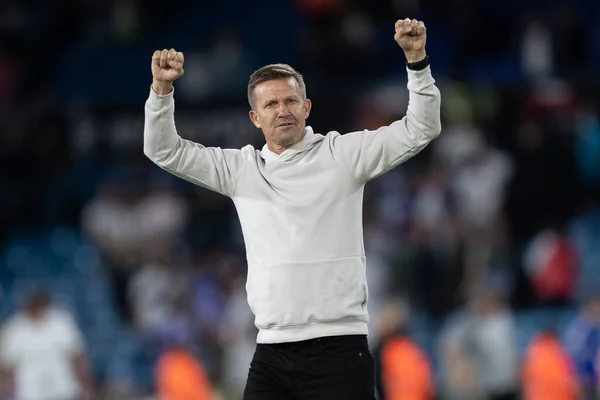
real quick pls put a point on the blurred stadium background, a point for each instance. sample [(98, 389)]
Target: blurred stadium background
[(505, 203)]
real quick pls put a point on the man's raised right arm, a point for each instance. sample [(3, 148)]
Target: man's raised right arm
[(210, 167)]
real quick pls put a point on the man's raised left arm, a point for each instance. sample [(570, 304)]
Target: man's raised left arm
[(369, 154)]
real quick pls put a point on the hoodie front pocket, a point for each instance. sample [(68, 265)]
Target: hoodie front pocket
[(300, 293)]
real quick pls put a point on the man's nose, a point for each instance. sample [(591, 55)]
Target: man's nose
[(283, 109)]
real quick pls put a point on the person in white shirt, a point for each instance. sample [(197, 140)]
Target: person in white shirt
[(299, 200), (42, 353)]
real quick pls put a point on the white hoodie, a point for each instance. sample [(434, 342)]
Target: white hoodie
[(301, 211)]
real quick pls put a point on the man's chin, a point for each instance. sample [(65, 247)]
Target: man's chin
[(289, 139), (287, 132)]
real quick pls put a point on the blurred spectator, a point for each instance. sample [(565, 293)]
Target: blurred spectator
[(131, 228), (584, 234), (404, 371), (435, 238), (550, 263), (125, 222), (478, 182), (43, 352), (548, 372), (210, 288), (152, 289), (180, 375), (479, 353), (111, 221), (582, 341), (537, 50)]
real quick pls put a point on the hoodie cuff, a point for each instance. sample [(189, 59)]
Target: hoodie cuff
[(419, 79), (158, 101)]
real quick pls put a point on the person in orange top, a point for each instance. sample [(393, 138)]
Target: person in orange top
[(181, 377), (548, 372), (179, 373), (403, 369)]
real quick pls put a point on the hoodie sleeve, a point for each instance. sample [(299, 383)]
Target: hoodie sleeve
[(368, 154), (210, 167)]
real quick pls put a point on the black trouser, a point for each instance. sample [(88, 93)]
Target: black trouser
[(328, 368), (504, 396)]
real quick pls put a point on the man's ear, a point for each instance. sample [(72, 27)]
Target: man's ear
[(307, 108), (254, 118)]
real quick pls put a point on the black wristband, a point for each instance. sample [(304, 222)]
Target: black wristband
[(419, 65)]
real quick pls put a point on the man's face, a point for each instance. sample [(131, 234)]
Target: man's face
[(280, 112)]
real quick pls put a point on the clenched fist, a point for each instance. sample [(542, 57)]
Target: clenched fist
[(411, 35), (167, 66)]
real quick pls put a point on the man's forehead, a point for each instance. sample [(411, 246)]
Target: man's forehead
[(277, 87)]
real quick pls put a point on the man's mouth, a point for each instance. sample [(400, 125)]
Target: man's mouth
[(284, 124)]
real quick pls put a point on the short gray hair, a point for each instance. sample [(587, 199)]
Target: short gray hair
[(273, 72)]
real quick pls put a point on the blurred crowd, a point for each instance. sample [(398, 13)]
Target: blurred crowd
[(498, 218)]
